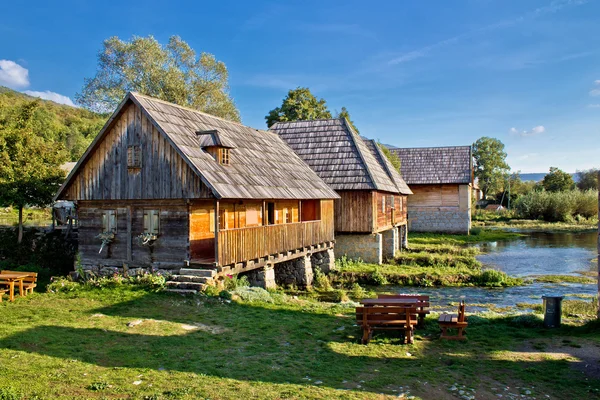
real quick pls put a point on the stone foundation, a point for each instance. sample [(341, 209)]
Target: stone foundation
[(324, 260), (439, 219), (403, 239), (263, 277), (103, 270), (297, 272), (391, 242), (367, 247)]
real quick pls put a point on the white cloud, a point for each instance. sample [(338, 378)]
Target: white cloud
[(13, 75), (536, 130), (596, 90), (593, 105), (48, 95)]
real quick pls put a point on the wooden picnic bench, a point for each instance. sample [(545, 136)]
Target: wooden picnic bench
[(454, 321), (371, 318), (2, 293), (29, 282), (422, 304)]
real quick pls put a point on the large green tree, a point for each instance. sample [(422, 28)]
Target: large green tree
[(30, 171), (490, 164), (172, 72), (587, 179), (558, 181), (345, 114), (299, 104)]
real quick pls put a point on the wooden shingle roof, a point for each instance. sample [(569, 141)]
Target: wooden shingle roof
[(435, 165), (340, 156), (262, 166)]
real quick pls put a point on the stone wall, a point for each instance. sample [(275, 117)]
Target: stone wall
[(104, 270), (262, 277), (297, 272), (324, 260), (368, 247), (439, 219), (390, 239)]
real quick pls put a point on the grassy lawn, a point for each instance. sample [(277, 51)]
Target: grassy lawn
[(31, 216), (125, 343), (499, 222)]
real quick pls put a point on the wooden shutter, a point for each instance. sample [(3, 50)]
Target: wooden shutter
[(109, 221), (155, 221)]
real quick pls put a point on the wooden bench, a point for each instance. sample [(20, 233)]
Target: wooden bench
[(29, 283), (422, 304), (396, 318), (2, 293), (454, 321)]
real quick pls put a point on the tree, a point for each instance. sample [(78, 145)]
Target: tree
[(490, 164), (299, 104), (391, 156), (345, 114), (558, 181), (30, 171), (172, 73), (587, 179)]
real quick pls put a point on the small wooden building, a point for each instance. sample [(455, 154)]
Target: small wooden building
[(370, 216), (168, 187), (441, 179)]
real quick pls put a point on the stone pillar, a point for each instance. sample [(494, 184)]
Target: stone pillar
[(390, 243), (304, 272), (324, 260), (368, 247), (403, 237), (296, 272), (263, 277)]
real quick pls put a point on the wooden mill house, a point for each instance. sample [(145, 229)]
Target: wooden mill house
[(370, 215), (441, 179), (170, 188)]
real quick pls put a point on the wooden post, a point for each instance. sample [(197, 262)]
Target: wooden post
[(216, 231), (129, 233), (264, 213)]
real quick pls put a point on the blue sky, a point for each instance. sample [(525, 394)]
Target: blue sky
[(411, 73)]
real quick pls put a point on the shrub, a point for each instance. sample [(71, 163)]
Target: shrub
[(378, 278), (322, 281), (233, 282), (253, 294), (339, 295), (357, 291), (63, 285), (558, 206)]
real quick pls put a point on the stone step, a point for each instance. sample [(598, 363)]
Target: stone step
[(186, 285), (182, 291), (191, 278), (198, 272)]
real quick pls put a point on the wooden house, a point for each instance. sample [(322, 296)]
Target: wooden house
[(370, 215), (168, 187), (441, 179)]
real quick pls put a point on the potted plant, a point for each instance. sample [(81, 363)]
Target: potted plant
[(106, 238)]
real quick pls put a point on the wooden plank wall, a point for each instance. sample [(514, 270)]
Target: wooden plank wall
[(434, 196), (354, 211), (163, 175), (171, 248)]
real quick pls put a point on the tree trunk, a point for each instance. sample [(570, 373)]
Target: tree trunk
[(20, 235)]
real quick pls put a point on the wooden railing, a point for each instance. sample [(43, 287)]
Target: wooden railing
[(237, 245)]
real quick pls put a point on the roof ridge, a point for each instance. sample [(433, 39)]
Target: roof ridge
[(358, 150), (137, 94), (430, 147)]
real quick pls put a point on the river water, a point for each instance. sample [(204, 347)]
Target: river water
[(537, 253)]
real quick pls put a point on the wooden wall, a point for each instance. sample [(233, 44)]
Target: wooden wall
[(171, 248), (354, 211), (163, 174), (434, 196)]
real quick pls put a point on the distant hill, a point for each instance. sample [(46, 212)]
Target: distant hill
[(539, 176), (73, 127)]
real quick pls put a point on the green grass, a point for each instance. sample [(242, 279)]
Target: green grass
[(31, 216), (477, 235), (79, 345), (537, 225), (564, 279)]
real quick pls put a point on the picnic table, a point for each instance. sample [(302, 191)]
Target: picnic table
[(389, 302), (389, 313), (10, 279)]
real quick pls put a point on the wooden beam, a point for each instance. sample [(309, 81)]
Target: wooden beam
[(129, 233), (216, 231)]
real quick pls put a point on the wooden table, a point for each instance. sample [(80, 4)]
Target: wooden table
[(11, 278), (396, 302)]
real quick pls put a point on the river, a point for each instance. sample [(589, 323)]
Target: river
[(537, 253)]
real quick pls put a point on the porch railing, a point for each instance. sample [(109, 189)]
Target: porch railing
[(241, 244)]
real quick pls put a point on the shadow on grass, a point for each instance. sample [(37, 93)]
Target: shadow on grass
[(273, 343)]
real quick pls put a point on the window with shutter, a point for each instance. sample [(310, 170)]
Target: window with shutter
[(134, 157), (151, 221), (382, 204), (109, 221)]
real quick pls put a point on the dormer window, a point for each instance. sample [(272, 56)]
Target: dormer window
[(224, 156)]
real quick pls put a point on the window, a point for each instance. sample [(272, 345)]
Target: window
[(134, 157), (391, 200), (287, 216), (382, 204), (271, 213), (109, 221), (151, 221), (251, 216), (224, 156)]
